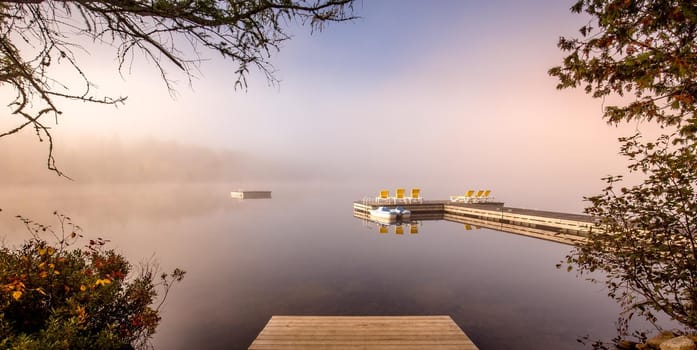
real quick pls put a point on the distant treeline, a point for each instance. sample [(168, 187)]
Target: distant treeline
[(23, 161)]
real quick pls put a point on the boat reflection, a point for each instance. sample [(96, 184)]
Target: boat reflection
[(388, 225)]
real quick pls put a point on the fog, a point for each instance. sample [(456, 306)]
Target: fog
[(111, 161), (446, 97)]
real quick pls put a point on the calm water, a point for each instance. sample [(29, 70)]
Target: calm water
[(303, 253)]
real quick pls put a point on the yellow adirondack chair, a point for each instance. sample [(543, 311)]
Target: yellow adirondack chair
[(487, 197), (464, 199), (399, 195), (416, 196), (384, 196), (477, 197)]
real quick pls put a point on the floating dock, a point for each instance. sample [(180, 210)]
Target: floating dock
[(558, 227), (250, 194), (365, 333)]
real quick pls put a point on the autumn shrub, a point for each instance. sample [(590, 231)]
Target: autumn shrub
[(61, 295)]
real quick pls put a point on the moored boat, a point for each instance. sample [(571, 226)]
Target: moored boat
[(384, 213), (402, 214)]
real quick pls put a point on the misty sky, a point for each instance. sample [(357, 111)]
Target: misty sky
[(444, 95)]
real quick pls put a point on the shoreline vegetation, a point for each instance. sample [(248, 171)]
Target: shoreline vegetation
[(63, 290)]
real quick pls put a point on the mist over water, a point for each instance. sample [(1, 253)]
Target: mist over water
[(112, 161), (303, 253)]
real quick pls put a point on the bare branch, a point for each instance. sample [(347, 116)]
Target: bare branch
[(246, 32)]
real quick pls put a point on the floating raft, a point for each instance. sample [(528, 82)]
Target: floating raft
[(250, 194), (558, 227), (365, 333)]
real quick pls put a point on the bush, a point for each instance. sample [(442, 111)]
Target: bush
[(53, 296)]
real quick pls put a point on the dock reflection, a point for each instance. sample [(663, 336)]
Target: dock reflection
[(412, 226), (398, 227)]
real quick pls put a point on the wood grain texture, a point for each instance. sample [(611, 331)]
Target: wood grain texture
[(358, 332)]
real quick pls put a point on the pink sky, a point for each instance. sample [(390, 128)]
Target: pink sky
[(446, 95)]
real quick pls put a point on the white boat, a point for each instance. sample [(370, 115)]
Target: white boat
[(402, 214), (383, 213)]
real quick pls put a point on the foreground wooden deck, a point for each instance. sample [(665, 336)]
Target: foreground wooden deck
[(357, 332)]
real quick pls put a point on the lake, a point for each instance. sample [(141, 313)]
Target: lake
[(303, 253)]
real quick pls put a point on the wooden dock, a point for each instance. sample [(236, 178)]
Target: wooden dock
[(366, 333), (558, 227), (240, 194)]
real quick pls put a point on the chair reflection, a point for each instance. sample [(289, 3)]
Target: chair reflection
[(399, 228)]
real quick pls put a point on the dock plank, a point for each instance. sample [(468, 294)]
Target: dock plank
[(357, 332)]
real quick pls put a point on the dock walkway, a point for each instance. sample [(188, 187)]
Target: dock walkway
[(359, 332), (559, 227)]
